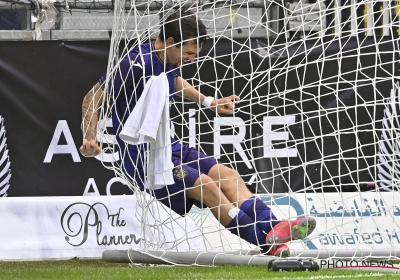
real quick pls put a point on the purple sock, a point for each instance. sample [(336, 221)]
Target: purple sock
[(256, 209), (244, 227)]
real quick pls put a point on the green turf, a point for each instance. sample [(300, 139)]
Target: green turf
[(98, 270)]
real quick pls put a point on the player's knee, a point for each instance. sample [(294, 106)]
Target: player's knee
[(222, 173), (208, 186), (205, 190), (230, 174), (231, 184)]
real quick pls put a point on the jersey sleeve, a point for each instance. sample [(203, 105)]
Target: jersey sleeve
[(126, 77)]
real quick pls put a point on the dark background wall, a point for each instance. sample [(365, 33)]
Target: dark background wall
[(42, 85)]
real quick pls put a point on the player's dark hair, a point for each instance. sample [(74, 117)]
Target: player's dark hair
[(182, 26)]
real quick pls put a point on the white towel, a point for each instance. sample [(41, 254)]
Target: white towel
[(149, 123)]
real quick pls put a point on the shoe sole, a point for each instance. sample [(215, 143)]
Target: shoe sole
[(299, 231)]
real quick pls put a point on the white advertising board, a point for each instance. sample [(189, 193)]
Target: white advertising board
[(67, 227)]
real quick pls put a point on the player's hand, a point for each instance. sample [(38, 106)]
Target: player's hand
[(225, 105), (89, 148)]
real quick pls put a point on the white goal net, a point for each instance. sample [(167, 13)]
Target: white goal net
[(315, 133)]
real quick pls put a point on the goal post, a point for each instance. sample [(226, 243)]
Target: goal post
[(316, 131)]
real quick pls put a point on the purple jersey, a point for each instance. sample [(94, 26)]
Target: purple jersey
[(127, 84)]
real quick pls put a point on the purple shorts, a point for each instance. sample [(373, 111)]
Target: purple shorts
[(189, 165)]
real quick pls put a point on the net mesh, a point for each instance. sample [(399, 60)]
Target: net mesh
[(316, 129)]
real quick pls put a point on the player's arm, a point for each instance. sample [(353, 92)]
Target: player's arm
[(90, 117), (223, 105)]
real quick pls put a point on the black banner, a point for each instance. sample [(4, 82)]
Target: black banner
[(296, 111), (42, 86)]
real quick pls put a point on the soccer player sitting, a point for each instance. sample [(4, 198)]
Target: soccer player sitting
[(199, 179)]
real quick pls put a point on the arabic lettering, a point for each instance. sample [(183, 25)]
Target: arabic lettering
[(368, 209)]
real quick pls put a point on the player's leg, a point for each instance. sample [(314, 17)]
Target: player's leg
[(278, 232), (232, 185), (191, 169), (240, 197), (238, 222), (234, 219), (191, 185), (207, 192)]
